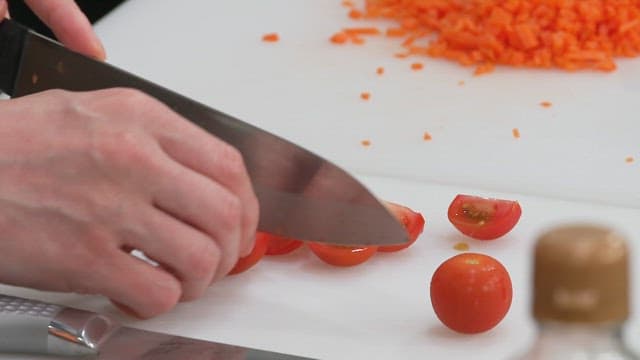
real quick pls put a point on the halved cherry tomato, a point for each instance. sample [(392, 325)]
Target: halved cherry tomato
[(412, 221), (259, 249), (483, 218), (279, 245), (471, 293), (342, 255)]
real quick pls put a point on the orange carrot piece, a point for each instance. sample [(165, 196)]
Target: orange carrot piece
[(355, 14), (365, 143), (271, 37), (461, 246), (362, 31), (365, 95), (516, 133), (380, 70), (339, 38), (426, 136), (395, 32), (546, 104), (348, 3), (417, 66), (629, 159)]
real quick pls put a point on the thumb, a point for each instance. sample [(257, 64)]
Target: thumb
[(4, 9)]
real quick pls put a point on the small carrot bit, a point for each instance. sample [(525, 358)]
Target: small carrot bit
[(461, 83), (417, 66), (355, 14), (380, 70), (365, 143), (629, 159), (461, 246), (516, 133), (271, 37), (339, 38), (401, 55), (485, 68), (357, 40), (365, 95), (362, 31), (546, 104), (395, 32), (348, 3), (426, 136)]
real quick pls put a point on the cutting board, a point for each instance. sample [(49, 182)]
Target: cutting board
[(308, 90), (381, 309)]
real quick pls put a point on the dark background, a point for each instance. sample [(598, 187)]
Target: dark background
[(94, 9)]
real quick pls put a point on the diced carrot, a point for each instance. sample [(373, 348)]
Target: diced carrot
[(629, 159), (355, 14), (546, 104), (380, 70), (516, 133), (348, 3), (339, 38), (426, 136), (362, 31), (365, 95), (461, 83), (271, 37), (365, 142), (417, 66), (461, 246), (484, 69)]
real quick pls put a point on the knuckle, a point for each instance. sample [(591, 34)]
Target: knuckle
[(202, 261), (129, 97), (234, 167), (231, 213), (123, 148)]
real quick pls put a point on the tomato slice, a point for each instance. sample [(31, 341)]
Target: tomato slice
[(471, 293), (483, 218), (259, 249), (279, 245), (412, 221), (342, 255)]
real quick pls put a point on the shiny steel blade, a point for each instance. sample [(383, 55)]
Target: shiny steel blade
[(134, 344), (301, 195)]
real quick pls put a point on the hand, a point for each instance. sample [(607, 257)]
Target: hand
[(86, 177), (68, 22)]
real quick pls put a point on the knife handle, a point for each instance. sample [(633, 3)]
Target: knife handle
[(30, 326)]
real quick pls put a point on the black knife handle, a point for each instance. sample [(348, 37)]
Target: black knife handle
[(11, 42)]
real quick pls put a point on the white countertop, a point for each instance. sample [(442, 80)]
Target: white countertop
[(569, 164)]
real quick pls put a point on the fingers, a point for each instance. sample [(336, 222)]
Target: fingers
[(187, 253), (142, 288), (4, 9), (222, 163), (70, 25), (204, 205)]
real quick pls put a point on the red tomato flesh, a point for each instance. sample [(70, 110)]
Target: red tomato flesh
[(471, 293), (342, 255), (279, 245), (259, 249), (412, 221), (483, 218)]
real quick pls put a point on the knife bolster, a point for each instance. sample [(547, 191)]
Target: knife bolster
[(79, 332), (12, 37)]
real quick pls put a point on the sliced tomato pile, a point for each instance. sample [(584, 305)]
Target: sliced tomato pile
[(483, 218)]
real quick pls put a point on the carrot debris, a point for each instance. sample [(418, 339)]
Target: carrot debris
[(629, 159), (380, 70), (516, 133), (339, 38), (362, 31), (417, 66), (365, 95), (365, 142), (355, 14), (546, 104), (461, 246), (354, 35), (348, 3), (461, 83), (566, 34), (426, 136), (271, 37)]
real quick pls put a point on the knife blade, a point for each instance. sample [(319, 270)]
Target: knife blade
[(301, 195), (30, 326)]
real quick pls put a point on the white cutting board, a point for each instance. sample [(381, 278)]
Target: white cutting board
[(381, 309), (306, 89)]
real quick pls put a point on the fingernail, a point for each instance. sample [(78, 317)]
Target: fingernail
[(124, 308), (100, 50)]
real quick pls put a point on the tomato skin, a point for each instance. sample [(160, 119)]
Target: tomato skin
[(259, 249), (412, 221), (279, 245), (483, 218), (471, 293), (342, 255)]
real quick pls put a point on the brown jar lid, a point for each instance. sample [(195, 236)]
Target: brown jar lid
[(581, 275)]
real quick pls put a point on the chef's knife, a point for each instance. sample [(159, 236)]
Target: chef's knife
[(29, 326), (301, 195)]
